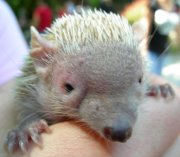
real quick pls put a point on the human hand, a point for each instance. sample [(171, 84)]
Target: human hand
[(157, 127)]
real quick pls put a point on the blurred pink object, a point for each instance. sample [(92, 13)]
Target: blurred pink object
[(13, 47)]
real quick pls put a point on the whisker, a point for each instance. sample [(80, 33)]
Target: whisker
[(164, 52), (82, 3), (152, 35)]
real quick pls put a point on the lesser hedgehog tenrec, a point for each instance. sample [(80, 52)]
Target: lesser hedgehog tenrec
[(85, 67)]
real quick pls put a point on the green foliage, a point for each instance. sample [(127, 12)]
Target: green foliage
[(29, 5), (121, 3), (18, 5), (94, 3), (23, 9)]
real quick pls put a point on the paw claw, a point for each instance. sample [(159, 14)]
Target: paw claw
[(21, 138), (24, 141), (153, 91), (23, 146), (44, 126), (167, 91), (11, 143), (164, 91), (35, 137), (37, 140), (10, 147)]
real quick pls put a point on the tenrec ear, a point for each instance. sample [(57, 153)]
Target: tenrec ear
[(39, 45), (139, 30), (41, 48)]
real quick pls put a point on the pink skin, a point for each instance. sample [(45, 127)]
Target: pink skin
[(62, 76)]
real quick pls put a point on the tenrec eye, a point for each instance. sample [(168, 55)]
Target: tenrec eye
[(68, 87), (140, 80)]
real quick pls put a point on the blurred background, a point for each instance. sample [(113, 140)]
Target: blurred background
[(160, 17)]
